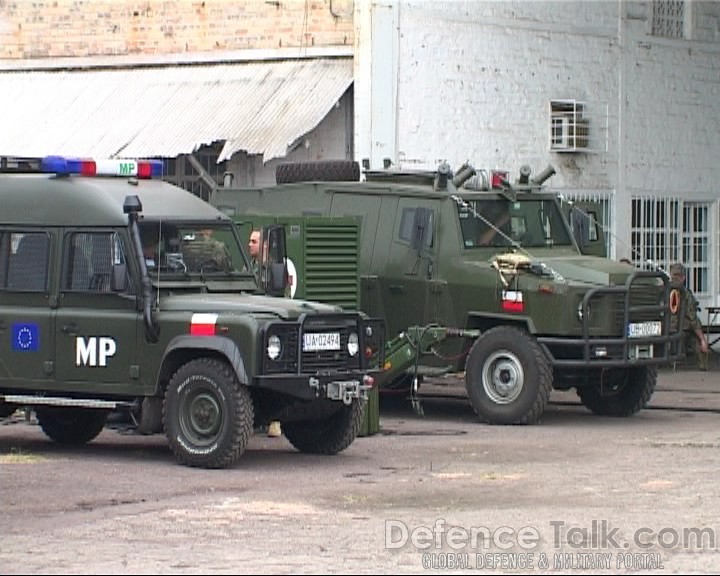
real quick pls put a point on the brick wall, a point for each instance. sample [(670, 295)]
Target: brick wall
[(74, 28)]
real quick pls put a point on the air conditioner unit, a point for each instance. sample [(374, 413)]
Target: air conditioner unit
[(568, 132)]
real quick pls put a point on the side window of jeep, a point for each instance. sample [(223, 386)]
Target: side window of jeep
[(89, 260), (24, 261)]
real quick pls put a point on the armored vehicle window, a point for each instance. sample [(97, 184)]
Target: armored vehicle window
[(24, 261), (409, 222), (89, 261), (530, 223)]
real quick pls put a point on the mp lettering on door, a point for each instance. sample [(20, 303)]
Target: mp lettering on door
[(95, 351)]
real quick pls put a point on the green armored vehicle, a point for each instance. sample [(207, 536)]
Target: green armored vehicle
[(132, 294), (488, 277)]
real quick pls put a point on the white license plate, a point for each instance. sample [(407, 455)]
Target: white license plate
[(321, 341), (642, 329)]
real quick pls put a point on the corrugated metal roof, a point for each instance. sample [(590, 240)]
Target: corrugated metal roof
[(259, 107)]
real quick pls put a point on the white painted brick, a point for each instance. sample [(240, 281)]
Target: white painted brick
[(475, 80)]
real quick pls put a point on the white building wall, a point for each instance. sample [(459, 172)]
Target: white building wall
[(474, 81), (673, 111)]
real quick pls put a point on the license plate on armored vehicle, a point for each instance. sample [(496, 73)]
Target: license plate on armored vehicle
[(321, 341), (642, 329)]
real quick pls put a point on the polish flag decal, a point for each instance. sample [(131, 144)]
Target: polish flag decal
[(203, 324), (512, 301)]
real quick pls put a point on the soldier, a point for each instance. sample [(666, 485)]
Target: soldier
[(497, 227), (203, 251), (150, 238), (274, 430), (254, 246), (694, 340)]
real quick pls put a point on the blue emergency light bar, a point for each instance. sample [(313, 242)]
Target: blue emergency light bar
[(110, 167)]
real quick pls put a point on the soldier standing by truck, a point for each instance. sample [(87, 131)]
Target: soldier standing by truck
[(254, 248), (695, 343), (273, 430)]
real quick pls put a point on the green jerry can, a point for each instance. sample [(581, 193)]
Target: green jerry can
[(371, 421)]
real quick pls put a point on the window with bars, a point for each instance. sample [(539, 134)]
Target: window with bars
[(89, 261), (24, 261), (668, 18), (667, 230)]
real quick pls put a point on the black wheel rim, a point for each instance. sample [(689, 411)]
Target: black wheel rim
[(201, 418)]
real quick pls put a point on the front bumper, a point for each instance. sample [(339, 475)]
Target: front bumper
[(344, 387), (304, 370), (617, 348)]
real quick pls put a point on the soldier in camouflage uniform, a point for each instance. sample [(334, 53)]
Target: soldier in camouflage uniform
[(694, 341), (203, 251)]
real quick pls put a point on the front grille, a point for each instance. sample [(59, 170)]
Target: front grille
[(644, 301), (606, 340), (329, 360), (293, 360)]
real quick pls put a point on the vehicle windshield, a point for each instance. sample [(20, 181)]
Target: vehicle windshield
[(181, 248), (497, 222)]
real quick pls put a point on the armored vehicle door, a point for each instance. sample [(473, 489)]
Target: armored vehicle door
[(26, 272), (406, 283), (97, 317), (368, 208)]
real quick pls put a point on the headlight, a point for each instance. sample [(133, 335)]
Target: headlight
[(274, 347), (353, 344)]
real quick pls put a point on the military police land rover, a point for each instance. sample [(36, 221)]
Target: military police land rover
[(130, 293)]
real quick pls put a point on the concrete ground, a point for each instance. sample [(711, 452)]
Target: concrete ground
[(430, 493)]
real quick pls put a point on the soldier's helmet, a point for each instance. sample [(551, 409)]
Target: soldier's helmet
[(677, 269)]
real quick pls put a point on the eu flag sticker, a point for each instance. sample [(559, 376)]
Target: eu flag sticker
[(25, 337)]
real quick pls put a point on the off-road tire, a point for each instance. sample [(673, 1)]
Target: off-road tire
[(207, 414), (633, 389), (512, 356), (70, 425), (321, 171), (328, 436)]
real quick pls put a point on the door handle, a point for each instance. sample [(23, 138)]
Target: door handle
[(71, 328), (396, 288)]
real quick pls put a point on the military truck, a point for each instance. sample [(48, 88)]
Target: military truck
[(494, 275), (132, 294)]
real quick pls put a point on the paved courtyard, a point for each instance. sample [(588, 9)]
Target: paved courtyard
[(430, 493)]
